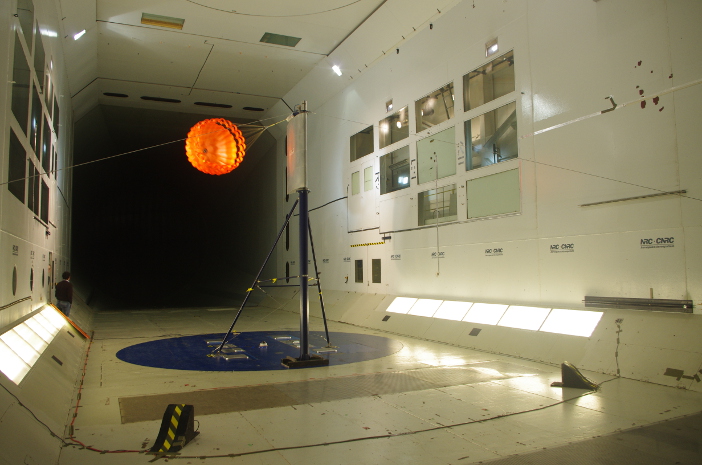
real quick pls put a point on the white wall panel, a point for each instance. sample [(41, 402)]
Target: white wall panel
[(568, 59)]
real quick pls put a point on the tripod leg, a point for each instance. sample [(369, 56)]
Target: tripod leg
[(319, 285), (248, 292)]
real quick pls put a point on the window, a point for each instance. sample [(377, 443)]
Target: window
[(21, 76), (17, 166), (492, 137), (25, 13), (356, 183), (33, 193), (435, 108), (375, 270), (437, 205), (46, 147), (55, 121), (14, 280), (44, 202), (489, 82), (394, 128), (436, 156), (496, 194), (359, 271), (367, 178), (35, 123), (395, 170), (362, 143), (39, 58)]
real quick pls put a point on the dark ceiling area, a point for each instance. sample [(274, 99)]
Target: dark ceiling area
[(151, 231)]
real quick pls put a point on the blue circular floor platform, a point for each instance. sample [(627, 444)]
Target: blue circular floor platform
[(244, 353)]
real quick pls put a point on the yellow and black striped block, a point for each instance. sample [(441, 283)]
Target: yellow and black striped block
[(177, 429), (367, 244)]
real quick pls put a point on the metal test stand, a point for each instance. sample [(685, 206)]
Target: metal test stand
[(297, 182)]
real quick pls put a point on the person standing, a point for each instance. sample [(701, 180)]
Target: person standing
[(64, 293)]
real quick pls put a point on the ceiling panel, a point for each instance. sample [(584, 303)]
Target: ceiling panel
[(145, 55), (246, 68), (321, 24)]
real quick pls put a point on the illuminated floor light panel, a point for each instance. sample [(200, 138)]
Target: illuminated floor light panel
[(524, 317), (21, 346), (246, 353), (571, 322), (561, 321), (487, 314), (450, 310), (401, 305), (425, 307)]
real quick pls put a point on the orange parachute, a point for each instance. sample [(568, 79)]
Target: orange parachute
[(215, 146)]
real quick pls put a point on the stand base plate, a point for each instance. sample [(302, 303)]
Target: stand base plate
[(313, 361)]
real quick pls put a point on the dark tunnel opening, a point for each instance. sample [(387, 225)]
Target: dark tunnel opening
[(151, 231)]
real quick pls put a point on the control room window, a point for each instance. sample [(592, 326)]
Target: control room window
[(39, 58), (358, 271), (25, 13), (21, 76), (17, 166), (395, 170), (55, 119), (492, 137), (489, 82), (497, 194), (44, 202), (356, 183), (394, 128), (35, 120), (46, 146), (435, 108), (362, 143), (33, 192), (367, 178), (437, 205), (436, 156), (375, 270)]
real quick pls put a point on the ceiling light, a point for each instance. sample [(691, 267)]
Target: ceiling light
[(79, 35), (337, 70), (491, 48), (388, 105), (399, 125), (162, 21)]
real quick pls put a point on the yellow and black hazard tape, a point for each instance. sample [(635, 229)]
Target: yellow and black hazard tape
[(367, 244), (172, 428)]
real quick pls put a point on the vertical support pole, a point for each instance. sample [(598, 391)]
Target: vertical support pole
[(304, 276)]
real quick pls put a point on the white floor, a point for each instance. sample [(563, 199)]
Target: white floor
[(551, 417)]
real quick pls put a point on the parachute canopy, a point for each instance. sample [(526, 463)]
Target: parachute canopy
[(215, 146)]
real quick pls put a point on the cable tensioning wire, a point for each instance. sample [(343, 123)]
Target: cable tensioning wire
[(49, 173), (274, 16)]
